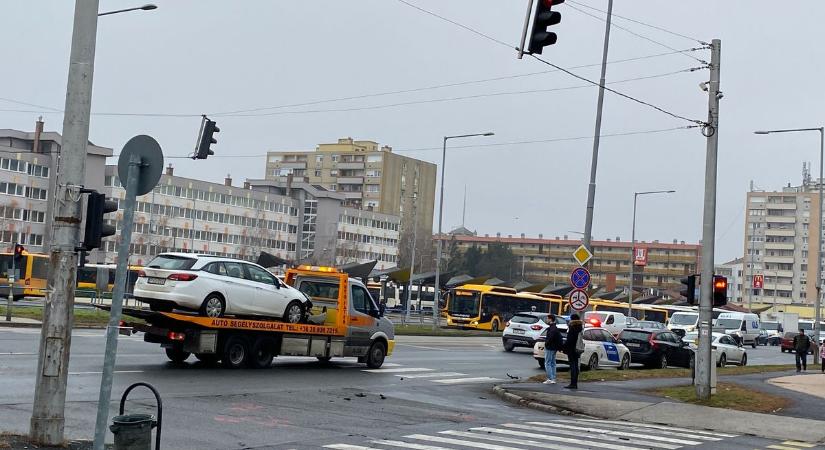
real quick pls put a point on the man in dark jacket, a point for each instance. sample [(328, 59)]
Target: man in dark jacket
[(801, 345), (552, 344), (574, 329)]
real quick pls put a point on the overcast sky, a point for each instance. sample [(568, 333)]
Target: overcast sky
[(206, 56)]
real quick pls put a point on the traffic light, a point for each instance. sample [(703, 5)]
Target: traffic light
[(689, 291), (207, 139), (96, 208), (18, 255), (543, 18), (720, 290)]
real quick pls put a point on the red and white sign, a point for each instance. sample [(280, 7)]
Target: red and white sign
[(579, 299), (640, 256), (758, 281)]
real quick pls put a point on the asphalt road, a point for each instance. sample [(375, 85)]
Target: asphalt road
[(433, 393)]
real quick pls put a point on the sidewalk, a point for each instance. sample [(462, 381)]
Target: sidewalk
[(20, 322), (621, 400)]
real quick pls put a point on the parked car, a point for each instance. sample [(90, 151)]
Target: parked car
[(614, 322), (524, 328), (650, 325), (762, 339), (744, 327), (216, 286), (727, 349), (631, 322), (787, 342), (657, 348), (600, 349)]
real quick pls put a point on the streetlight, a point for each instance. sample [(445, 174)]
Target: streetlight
[(817, 302), (147, 7), (633, 246), (437, 293)]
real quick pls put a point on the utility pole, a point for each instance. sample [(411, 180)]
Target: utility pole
[(412, 261), (47, 418), (711, 131), (750, 292), (591, 189)]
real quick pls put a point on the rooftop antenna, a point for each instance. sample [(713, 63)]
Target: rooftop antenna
[(464, 211)]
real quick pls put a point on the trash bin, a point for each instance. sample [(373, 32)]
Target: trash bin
[(133, 431)]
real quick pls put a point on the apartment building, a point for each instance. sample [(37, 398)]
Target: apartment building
[(368, 175), (658, 266), (28, 169), (782, 244)]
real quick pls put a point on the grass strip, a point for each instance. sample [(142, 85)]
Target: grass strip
[(640, 373), (728, 395)]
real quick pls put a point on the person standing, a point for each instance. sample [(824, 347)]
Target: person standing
[(801, 345), (552, 344), (573, 348), (822, 355)]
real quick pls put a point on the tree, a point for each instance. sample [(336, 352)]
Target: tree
[(454, 258), (498, 261)]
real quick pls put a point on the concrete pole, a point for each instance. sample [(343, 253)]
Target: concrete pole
[(412, 261), (703, 357), (47, 420), (591, 190), (632, 257), (117, 304), (750, 292), (818, 301), (437, 286)]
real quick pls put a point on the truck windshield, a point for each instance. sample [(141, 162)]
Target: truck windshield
[(770, 326), (684, 319), (729, 323), (807, 326), (464, 304)]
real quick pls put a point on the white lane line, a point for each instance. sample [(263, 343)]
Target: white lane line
[(468, 380), (16, 354), (443, 440), (409, 445), (565, 440), (99, 373), (399, 370), (350, 447), (576, 434), (431, 375), (660, 427), (386, 364), (536, 443), (631, 427), (556, 425)]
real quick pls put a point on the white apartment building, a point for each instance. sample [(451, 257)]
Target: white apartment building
[(367, 236)]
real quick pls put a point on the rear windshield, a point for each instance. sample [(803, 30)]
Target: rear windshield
[(634, 335), (519, 318), (171, 262)]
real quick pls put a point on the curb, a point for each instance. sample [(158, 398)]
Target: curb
[(521, 401), (4, 324)]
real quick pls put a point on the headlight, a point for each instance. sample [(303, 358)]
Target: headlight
[(475, 322)]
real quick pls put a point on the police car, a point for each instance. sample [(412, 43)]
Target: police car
[(600, 349)]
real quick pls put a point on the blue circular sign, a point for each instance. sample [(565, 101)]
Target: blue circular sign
[(580, 278)]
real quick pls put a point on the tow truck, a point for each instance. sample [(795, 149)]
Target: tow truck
[(344, 322)]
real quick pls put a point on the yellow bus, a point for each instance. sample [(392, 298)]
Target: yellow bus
[(33, 272), (484, 307), (88, 276), (640, 311)]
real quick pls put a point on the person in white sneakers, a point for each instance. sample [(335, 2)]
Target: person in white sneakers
[(552, 344)]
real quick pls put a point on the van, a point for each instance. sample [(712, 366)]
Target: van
[(683, 320), (744, 327), (614, 322)]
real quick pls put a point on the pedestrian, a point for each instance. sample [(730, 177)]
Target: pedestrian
[(552, 344), (801, 345), (822, 355), (573, 348)]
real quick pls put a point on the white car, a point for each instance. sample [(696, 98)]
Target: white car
[(524, 328), (600, 349), (727, 350), (216, 286)]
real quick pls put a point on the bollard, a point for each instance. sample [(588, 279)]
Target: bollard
[(133, 431)]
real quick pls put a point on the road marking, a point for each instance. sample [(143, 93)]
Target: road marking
[(17, 354), (350, 447), (431, 375), (409, 445), (99, 373), (799, 444), (632, 427), (515, 441), (399, 370), (556, 425), (468, 380), (576, 438), (443, 440), (659, 427), (782, 447)]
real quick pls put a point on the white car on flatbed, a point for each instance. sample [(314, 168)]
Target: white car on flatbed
[(600, 349), (217, 286)]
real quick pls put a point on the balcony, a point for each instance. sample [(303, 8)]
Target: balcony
[(350, 180), (779, 245), (293, 165), (349, 195), (779, 259), (780, 232), (780, 206), (350, 165), (781, 219)]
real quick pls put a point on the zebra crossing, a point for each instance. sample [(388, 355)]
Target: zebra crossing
[(431, 375), (560, 434)]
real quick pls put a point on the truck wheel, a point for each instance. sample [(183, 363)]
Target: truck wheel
[(294, 312), (213, 306), (261, 355), (376, 355), (208, 358), (177, 355), (235, 353)]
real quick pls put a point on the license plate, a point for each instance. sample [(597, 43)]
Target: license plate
[(518, 331), (155, 280), (632, 344)]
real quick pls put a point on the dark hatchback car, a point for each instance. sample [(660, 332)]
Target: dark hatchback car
[(657, 348)]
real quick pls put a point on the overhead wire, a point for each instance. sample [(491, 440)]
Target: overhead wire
[(470, 29), (29, 104), (656, 27)]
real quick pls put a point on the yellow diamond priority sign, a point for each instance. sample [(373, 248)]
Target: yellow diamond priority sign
[(582, 255)]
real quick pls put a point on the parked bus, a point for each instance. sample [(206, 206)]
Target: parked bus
[(640, 311), (33, 270), (100, 279), (486, 307)]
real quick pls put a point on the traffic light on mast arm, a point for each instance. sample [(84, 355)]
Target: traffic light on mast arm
[(18, 254), (689, 291), (96, 208), (207, 138), (720, 290), (544, 17)]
